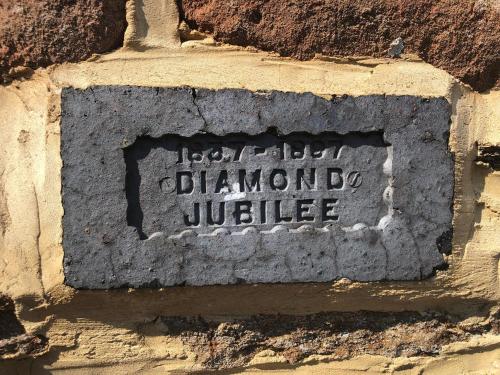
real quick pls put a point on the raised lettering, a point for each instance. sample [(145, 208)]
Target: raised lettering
[(317, 149), (196, 221), (263, 217), (264, 180), (278, 217), (184, 182), (222, 185), (304, 207), (328, 210), (334, 179), (242, 212), (220, 220), (297, 150), (253, 184), (311, 184), (194, 152), (203, 182), (278, 179)]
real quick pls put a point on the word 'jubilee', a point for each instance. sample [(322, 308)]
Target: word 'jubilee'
[(234, 185)]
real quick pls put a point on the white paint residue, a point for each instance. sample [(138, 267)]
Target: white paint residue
[(234, 196)]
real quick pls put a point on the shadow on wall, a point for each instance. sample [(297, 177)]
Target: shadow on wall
[(15, 343)]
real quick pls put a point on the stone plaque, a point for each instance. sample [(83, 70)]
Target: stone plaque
[(173, 186)]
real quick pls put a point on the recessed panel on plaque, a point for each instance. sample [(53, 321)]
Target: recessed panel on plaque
[(183, 186)]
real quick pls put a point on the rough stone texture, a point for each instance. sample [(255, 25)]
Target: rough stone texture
[(14, 341), (462, 37), (37, 33), (102, 251)]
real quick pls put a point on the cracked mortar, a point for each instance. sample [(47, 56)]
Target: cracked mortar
[(235, 343)]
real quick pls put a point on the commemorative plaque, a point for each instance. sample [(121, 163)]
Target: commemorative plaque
[(184, 186)]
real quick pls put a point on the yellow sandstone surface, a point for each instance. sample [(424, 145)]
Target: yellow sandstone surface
[(97, 331)]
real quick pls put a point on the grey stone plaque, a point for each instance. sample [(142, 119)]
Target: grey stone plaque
[(173, 186)]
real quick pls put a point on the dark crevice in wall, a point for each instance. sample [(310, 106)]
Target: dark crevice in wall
[(490, 155), (14, 341)]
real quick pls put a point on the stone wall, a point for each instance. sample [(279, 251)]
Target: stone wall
[(40, 33), (459, 37), (445, 323)]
